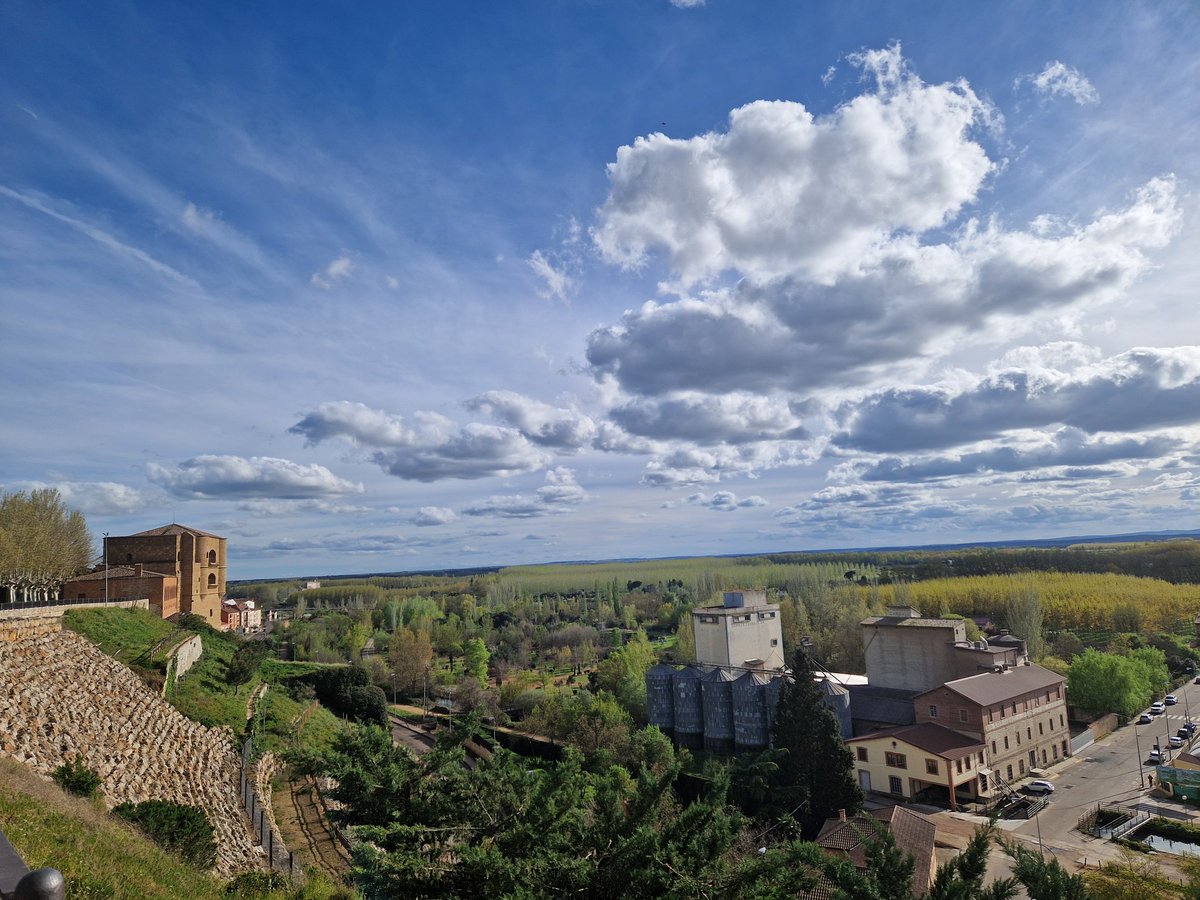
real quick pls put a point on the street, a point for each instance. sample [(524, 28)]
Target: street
[(1112, 771)]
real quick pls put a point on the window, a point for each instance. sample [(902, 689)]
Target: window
[(896, 760), (931, 766), (981, 757), (958, 766), (933, 710), (1018, 739), (1065, 754), (1044, 757), (1060, 720), (212, 580), (983, 784), (1006, 742), (862, 754), (1051, 721), (990, 717), (1054, 747), (212, 557), (774, 642), (993, 748), (1002, 712), (1029, 734), (1014, 707), (962, 715), (895, 785), (128, 557), (1041, 730), (1021, 763), (1010, 773)]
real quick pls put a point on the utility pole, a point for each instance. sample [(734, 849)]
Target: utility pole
[(1141, 776)]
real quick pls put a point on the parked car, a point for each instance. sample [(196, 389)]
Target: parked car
[(1158, 707), (1040, 786), (1175, 742), (1170, 700), (1197, 681), (1145, 719), (1154, 758), (1183, 732), (1191, 727)]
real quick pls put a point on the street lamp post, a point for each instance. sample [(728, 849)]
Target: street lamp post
[(106, 568)]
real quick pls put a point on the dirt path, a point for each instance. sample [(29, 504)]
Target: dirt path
[(302, 824)]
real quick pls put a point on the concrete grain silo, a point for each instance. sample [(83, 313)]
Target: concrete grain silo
[(689, 709), (716, 688), (660, 697)]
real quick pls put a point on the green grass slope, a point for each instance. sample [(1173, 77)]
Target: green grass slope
[(99, 855)]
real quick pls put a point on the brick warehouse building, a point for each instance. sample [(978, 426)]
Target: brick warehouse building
[(196, 558), (1019, 713)]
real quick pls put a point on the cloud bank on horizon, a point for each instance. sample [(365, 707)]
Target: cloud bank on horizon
[(893, 308)]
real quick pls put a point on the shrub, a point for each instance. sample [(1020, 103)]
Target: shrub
[(257, 885), (76, 778), (184, 830)]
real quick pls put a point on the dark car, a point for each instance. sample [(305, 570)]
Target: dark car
[(1145, 719)]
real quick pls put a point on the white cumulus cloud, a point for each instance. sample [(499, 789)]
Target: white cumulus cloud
[(1058, 79), (259, 477)]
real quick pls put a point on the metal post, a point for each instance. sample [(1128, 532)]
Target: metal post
[(1037, 818), (106, 568), (1141, 776), (393, 689)]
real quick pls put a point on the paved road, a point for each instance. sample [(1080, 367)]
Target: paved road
[(1110, 771)]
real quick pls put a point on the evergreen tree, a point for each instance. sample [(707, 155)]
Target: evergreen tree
[(815, 778)]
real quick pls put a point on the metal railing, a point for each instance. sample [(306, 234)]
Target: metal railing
[(280, 857)]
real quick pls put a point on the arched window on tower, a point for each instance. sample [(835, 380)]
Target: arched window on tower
[(212, 557), (212, 581)]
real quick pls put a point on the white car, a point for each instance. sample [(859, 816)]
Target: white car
[(1040, 786), (1170, 700), (1154, 758), (1158, 707), (1175, 741)]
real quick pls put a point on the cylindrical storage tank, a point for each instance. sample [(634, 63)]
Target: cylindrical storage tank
[(837, 698), (716, 689), (750, 728), (689, 708), (660, 697), (772, 690)]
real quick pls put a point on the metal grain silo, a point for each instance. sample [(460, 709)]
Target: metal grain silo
[(689, 708), (837, 698), (751, 730), (716, 688), (772, 690), (660, 697)]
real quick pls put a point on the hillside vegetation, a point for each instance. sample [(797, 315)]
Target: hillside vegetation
[(99, 856)]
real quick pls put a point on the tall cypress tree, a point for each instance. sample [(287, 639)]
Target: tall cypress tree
[(815, 778)]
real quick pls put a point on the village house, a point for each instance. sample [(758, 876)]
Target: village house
[(914, 834), (924, 759)]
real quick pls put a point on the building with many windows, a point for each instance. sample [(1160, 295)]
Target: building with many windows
[(1019, 713)]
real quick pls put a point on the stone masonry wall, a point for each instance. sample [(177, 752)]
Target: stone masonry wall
[(40, 612), (186, 652), (60, 696)]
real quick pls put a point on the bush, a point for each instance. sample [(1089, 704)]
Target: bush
[(76, 778), (184, 830), (257, 885)]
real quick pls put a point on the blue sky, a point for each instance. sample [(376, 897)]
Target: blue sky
[(391, 286)]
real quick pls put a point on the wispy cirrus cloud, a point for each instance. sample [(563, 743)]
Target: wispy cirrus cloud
[(1057, 79)]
